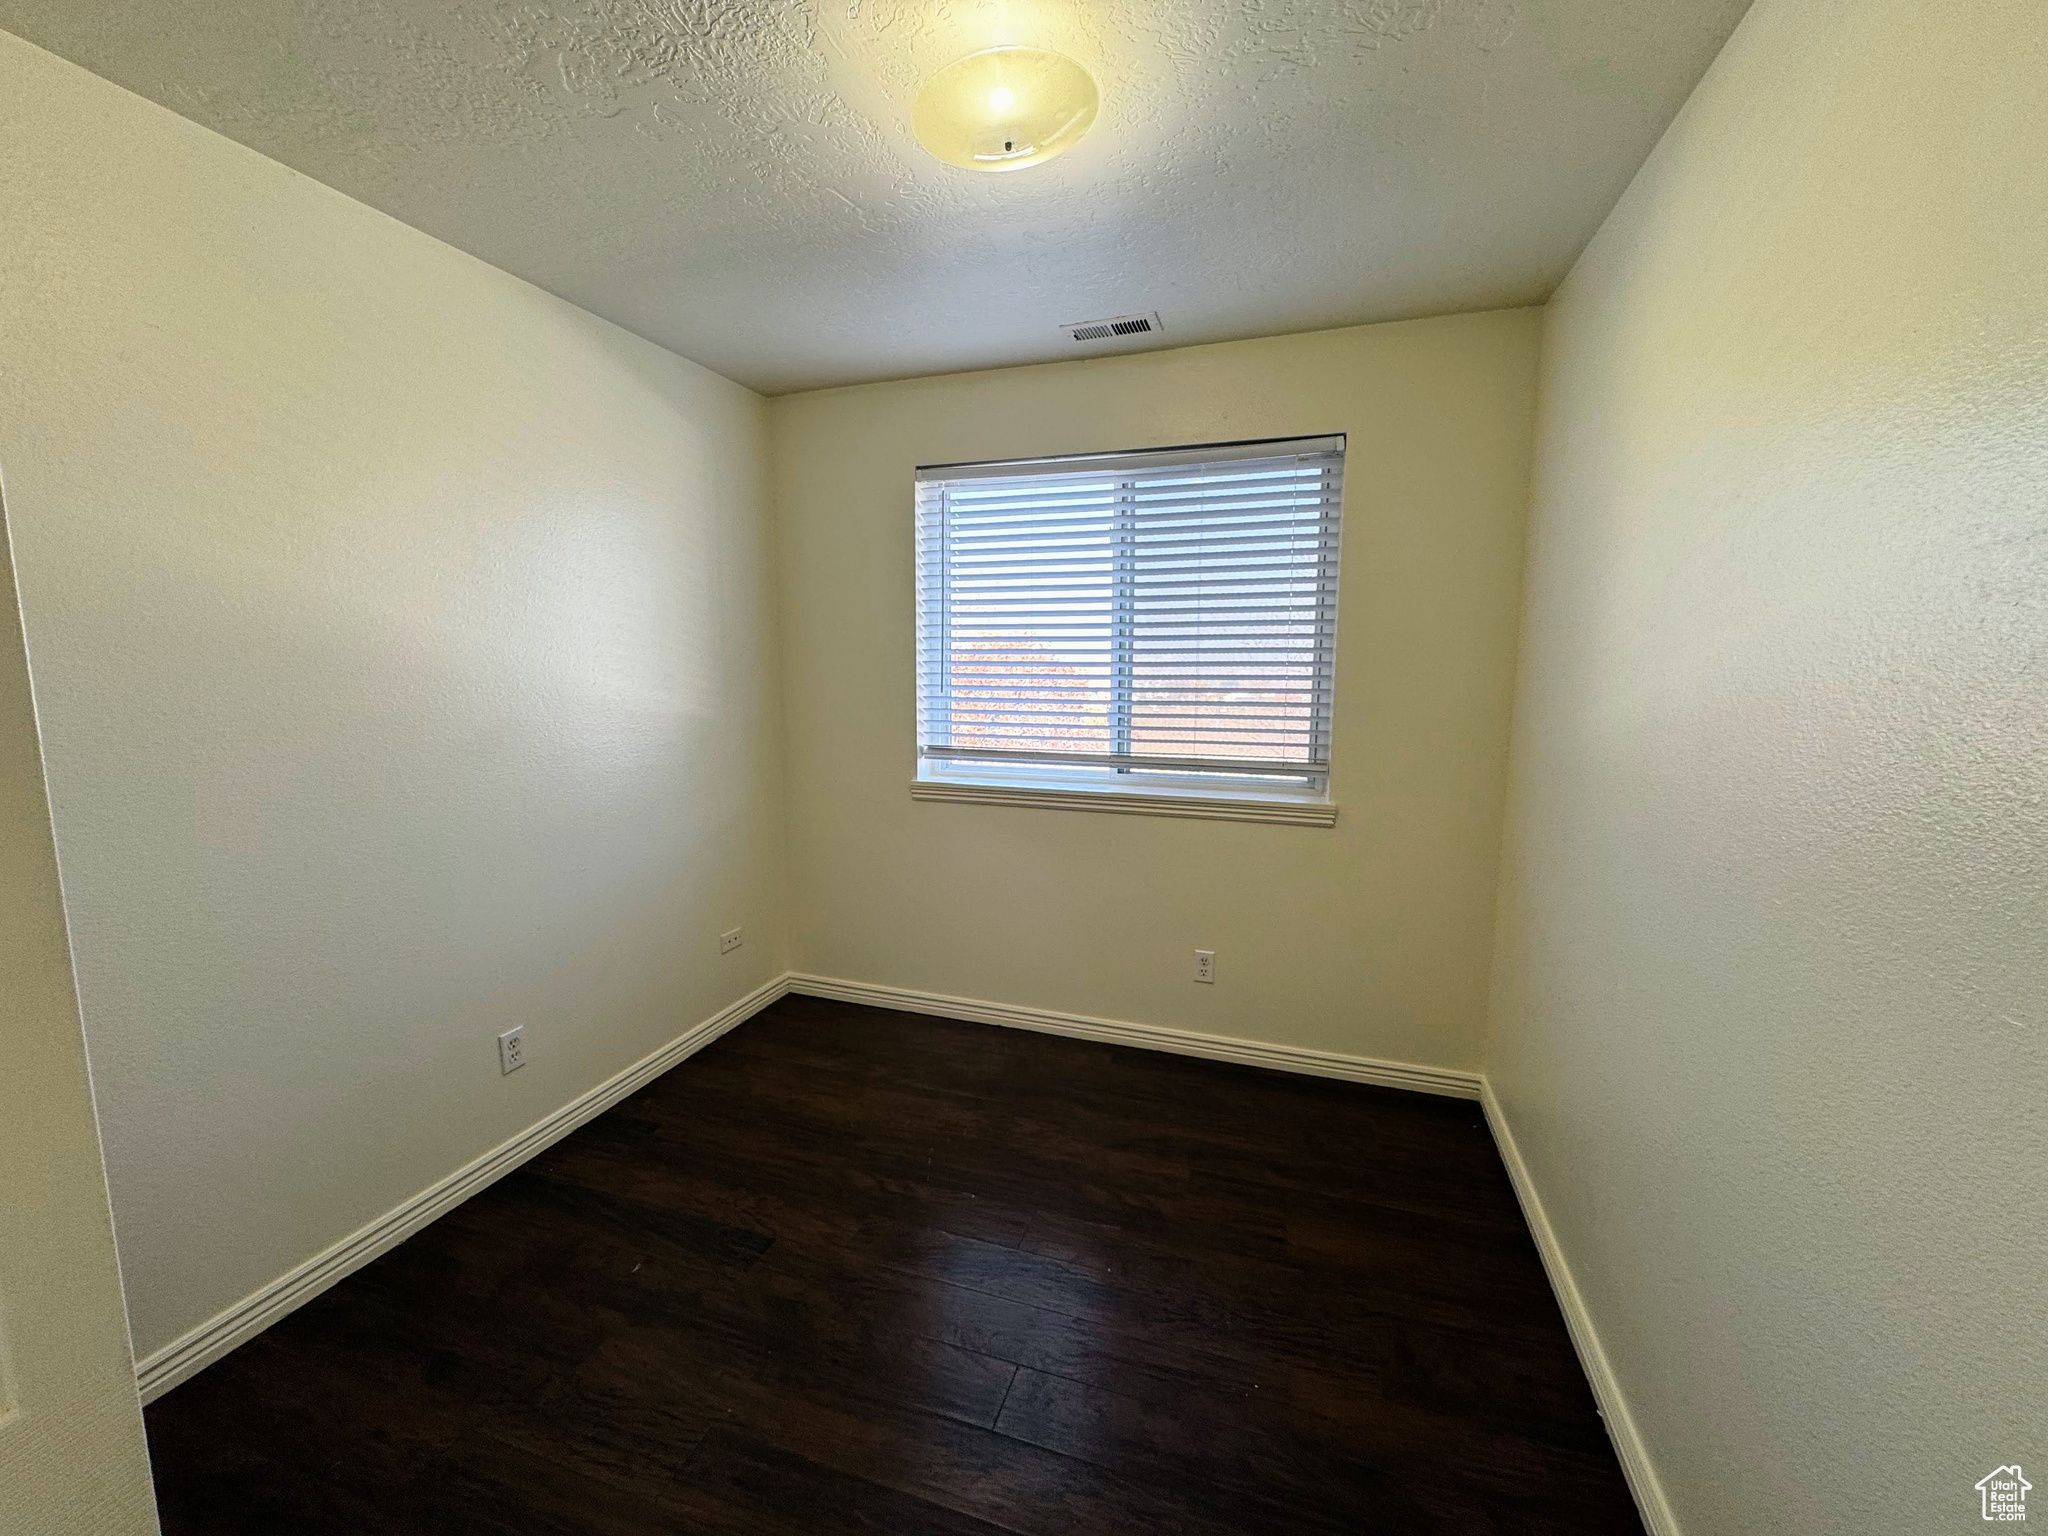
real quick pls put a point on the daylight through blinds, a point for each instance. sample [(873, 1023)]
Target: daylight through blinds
[(1151, 613)]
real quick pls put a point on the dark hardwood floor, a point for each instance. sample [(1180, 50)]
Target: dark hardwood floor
[(849, 1270)]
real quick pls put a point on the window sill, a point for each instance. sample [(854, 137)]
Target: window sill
[(1275, 811)]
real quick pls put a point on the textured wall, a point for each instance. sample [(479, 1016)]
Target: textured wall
[(402, 640), (1370, 937), (1772, 1008), (72, 1458), (736, 179)]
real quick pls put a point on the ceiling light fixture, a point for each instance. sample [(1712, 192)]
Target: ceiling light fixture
[(1004, 108)]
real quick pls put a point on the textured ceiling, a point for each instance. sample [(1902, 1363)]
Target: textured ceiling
[(738, 181)]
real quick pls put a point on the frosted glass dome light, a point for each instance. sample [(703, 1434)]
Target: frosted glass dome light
[(1004, 108)]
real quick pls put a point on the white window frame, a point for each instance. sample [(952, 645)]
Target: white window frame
[(1059, 781)]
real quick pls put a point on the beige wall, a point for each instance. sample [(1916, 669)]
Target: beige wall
[(72, 1458), (403, 642), (1772, 1006), (1370, 938)]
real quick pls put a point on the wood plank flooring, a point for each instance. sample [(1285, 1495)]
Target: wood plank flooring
[(849, 1270)]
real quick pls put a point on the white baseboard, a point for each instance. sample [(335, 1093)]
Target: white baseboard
[(186, 1356), (1621, 1425), (1155, 1037)]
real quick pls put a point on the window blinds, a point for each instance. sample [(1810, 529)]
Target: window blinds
[(1146, 613)]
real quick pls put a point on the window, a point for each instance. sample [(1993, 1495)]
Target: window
[(1153, 629)]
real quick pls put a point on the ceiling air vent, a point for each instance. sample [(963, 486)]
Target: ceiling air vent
[(1116, 328)]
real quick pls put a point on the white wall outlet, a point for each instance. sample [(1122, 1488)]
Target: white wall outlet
[(1205, 965), (512, 1049), (729, 941)]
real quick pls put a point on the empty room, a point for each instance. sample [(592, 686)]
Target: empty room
[(1023, 767)]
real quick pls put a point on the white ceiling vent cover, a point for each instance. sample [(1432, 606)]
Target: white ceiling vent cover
[(1116, 328)]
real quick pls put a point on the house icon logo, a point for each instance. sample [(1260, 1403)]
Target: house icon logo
[(2005, 1494)]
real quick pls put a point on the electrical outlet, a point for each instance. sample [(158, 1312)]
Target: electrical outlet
[(1205, 965), (512, 1049), (729, 941)]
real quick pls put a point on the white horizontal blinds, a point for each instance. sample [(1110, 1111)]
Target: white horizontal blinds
[(1169, 612)]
